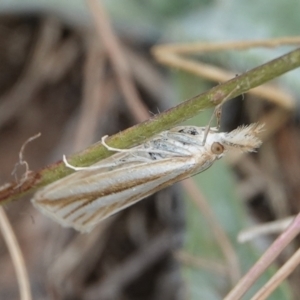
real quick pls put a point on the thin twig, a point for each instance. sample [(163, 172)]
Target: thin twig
[(16, 255), (265, 261), (279, 276), (136, 134), (118, 60), (221, 237), (201, 263), (41, 67), (94, 103), (274, 227), (208, 47), (271, 93)]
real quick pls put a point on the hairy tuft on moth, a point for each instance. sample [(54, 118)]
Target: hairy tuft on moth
[(91, 194)]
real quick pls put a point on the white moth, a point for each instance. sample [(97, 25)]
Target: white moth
[(84, 198)]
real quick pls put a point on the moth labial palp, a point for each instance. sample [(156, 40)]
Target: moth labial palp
[(91, 194)]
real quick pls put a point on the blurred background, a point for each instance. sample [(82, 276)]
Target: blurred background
[(59, 77)]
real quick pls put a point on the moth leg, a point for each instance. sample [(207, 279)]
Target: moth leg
[(134, 150), (131, 150), (112, 148), (217, 113), (67, 164), (94, 167)]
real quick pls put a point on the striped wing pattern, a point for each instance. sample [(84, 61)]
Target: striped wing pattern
[(83, 199)]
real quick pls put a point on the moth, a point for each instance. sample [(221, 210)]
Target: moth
[(91, 194)]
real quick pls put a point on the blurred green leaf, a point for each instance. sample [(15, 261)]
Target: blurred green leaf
[(218, 185)]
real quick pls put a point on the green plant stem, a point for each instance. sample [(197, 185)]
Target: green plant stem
[(138, 133)]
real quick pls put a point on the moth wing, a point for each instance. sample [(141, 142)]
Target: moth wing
[(83, 199)]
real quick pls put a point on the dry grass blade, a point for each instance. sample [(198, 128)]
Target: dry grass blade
[(201, 263), (221, 237), (16, 255), (82, 266), (268, 228), (172, 56), (94, 103), (118, 60), (280, 275), (202, 47), (264, 262)]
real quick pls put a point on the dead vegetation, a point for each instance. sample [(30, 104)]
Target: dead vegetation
[(74, 88)]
